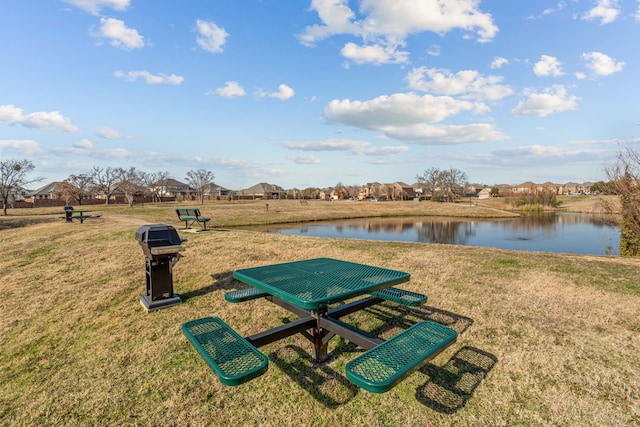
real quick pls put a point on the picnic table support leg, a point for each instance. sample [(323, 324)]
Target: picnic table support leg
[(354, 335), (280, 332), (320, 348)]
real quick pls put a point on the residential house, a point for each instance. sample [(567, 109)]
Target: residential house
[(213, 190), (263, 191), (47, 192), (485, 193), (175, 188)]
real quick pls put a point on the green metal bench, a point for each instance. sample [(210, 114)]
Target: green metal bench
[(233, 359), (81, 218), (400, 296), (384, 366), (191, 216), (245, 294)]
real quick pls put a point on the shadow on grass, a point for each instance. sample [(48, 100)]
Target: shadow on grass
[(223, 281), (395, 316), (325, 384), (7, 223), (450, 387)]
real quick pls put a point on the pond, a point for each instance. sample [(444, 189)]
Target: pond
[(554, 232)]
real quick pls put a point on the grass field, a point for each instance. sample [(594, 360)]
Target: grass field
[(544, 339)]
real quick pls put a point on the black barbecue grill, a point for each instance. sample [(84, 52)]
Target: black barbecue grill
[(161, 245)]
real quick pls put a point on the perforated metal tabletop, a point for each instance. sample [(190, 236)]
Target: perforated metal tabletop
[(317, 283)]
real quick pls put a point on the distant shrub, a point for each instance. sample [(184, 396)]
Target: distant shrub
[(543, 199)]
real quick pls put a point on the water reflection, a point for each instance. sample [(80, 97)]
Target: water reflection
[(556, 232)]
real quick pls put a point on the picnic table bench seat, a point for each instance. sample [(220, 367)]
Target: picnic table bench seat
[(400, 296), (378, 370), (233, 359), (191, 216), (245, 294), (83, 217)]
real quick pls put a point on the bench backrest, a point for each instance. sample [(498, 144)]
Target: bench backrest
[(193, 212)]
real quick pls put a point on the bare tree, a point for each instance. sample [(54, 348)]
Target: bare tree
[(453, 182), (104, 180), (155, 182), (430, 180), (624, 175), (443, 184), (130, 184), (13, 177), (200, 180), (76, 187)]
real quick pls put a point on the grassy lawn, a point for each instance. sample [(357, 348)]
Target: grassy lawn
[(544, 339)]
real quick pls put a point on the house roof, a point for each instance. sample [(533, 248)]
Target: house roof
[(263, 188), (47, 189), (174, 183), (213, 188)]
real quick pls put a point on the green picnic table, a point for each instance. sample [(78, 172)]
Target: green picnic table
[(79, 214), (315, 290)]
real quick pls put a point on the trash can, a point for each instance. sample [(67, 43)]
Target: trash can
[(161, 245), (68, 213)]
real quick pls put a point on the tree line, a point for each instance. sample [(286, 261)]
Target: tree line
[(130, 182), (441, 184), (14, 176)]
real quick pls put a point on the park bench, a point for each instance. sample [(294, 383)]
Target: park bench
[(245, 294), (233, 359), (400, 296), (380, 369), (82, 217), (80, 214), (191, 216)]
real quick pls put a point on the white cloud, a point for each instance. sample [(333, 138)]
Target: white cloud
[(211, 37), (548, 66), (410, 117), (499, 62), (94, 6), (606, 11), (328, 145), (550, 10), (425, 134), (120, 35), (552, 100), (374, 54), (404, 17), (230, 90), (637, 14), (151, 79), (601, 64), (400, 109), (435, 50), (566, 154), (336, 17), (284, 92), (83, 144), (469, 84), (26, 147), (53, 120), (109, 133), (305, 159), (349, 145), (385, 25)]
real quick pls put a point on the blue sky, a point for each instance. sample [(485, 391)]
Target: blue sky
[(311, 93)]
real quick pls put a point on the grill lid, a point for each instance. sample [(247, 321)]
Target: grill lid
[(155, 235)]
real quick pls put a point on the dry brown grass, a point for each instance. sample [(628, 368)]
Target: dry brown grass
[(545, 339)]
